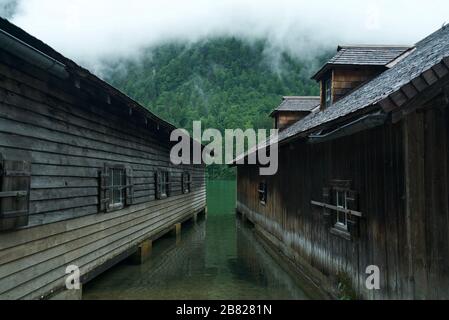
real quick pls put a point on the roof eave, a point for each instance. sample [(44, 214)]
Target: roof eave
[(317, 76), (73, 68)]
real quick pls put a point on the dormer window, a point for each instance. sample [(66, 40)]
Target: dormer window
[(352, 67), (327, 90), (293, 109), (342, 207)]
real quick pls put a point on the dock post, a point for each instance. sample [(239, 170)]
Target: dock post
[(195, 217), (143, 252), (177, 232)]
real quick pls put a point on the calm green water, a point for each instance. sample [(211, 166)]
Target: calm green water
[(216, 259)]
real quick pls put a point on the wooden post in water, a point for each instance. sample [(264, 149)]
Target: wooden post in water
[(177, 232), (143, 252)]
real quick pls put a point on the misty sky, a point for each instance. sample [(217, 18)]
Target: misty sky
[(89, 30)]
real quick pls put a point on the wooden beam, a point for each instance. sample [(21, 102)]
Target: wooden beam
[(415, 214), (440, 70), (420, 100), (409, 90), (399, 98), (13, 194), (335, 208), (430, 77), (419, 83), (387, 104), (446, 61)]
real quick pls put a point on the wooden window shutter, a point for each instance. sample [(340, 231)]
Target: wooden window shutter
[(352, 200), (189, 183), (326, 195), (129, 191), (157, 182), (265, 192), (327, 199), (104, 191), (169, 183), (14, 193), (183, 182)]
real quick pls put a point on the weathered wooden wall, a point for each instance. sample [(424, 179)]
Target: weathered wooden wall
[(285, 119), (184, 258), (347, 79), (400, 172), (68, 134)]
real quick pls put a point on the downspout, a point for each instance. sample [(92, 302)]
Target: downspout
[(367, 122), (39, 59)]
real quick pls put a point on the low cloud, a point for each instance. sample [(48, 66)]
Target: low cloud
[(91, 30)]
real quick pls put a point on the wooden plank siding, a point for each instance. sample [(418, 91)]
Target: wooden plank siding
[(69, 134), (401, 174), (345, 80), (285, 119)]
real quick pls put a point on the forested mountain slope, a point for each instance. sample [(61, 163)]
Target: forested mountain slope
[(224, 82)]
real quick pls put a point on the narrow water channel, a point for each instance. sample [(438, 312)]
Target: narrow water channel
[(217, 258)]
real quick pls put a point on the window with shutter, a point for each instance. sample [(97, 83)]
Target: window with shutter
[(116, 187), (14, 193), (340, 207)]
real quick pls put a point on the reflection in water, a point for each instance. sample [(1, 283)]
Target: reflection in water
[(216, 259)]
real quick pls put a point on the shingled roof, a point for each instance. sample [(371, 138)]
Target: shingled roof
[(389, 85), (74, 68), (297, 104), (425, 65), (378, 56)]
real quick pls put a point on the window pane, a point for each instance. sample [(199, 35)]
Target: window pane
[(341, 199), (117, 182), (163, 186), (328, 92), (341, 204), (341, 218)]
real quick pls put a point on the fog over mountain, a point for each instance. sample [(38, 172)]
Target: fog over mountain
[(92, 30)]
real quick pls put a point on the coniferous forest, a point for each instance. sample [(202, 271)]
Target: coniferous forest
[(224, 82)]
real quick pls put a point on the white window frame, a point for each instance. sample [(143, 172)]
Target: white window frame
[(117, 202), (342, 209), (164, 184)]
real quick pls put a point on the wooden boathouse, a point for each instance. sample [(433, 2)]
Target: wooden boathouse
[(85, 174), (363, 180)]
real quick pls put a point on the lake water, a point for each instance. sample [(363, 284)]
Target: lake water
[(218, 258)]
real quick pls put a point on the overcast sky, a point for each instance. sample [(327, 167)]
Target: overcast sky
[(88, 30)]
